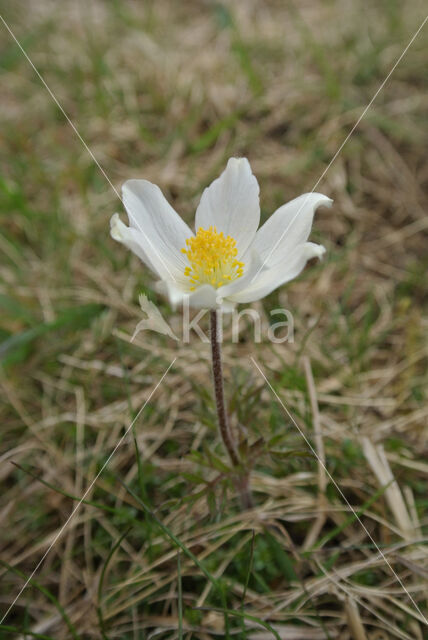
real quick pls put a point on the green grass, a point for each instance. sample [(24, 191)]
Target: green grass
[(159, 547)]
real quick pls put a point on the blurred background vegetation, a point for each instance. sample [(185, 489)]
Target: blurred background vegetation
[(168, 91)]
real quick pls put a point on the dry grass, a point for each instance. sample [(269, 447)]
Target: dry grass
[(168, 91)]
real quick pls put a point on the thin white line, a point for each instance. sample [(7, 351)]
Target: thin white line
[(342, 145), (381, 554), (52, 95), (58, 535)]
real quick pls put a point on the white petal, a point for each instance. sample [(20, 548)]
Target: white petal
[(131, 238), (171, 291), (288, 227), (163, 232), (231, 204), (253, 265), (283, 272), (204, 297)]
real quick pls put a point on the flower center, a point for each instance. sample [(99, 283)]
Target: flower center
[(212, 258)]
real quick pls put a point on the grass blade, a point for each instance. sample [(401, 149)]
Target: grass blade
[(48, 595), (185, 550)]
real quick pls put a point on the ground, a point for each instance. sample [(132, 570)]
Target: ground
[(169, 91)]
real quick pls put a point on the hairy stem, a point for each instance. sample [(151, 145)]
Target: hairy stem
[(223, 420)]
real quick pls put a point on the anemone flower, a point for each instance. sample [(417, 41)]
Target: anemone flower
[(227, 260)]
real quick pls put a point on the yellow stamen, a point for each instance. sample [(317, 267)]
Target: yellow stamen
[(212, 258)]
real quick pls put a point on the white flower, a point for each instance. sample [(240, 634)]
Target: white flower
[(227, 261)]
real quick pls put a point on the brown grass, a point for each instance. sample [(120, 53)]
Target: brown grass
[(168, 91)]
